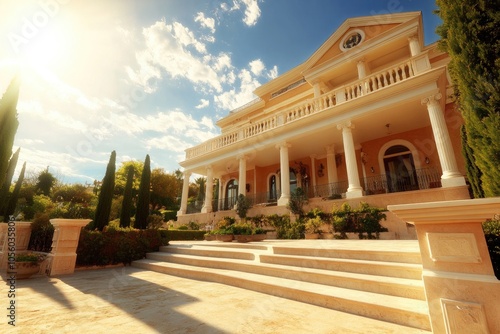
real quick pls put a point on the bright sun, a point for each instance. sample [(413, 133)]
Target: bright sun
[(46, 50)]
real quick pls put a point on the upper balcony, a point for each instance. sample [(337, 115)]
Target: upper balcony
[(376, 82)]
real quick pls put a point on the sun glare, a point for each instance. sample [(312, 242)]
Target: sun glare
[(46, 50)]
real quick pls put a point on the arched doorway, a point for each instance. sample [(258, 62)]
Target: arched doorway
[(272, 196), (231, 194), (400, 169)]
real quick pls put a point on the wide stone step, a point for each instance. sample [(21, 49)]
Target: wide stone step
[(399, 310), (402, 287), (391, 269)]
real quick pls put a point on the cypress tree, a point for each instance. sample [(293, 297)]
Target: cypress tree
[(471, 35), (473, 173), (8, 125), (4, 191), (11, 206), (142, 212), (106, 195), (127, 199)]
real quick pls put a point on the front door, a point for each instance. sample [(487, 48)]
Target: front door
[(400, 169)]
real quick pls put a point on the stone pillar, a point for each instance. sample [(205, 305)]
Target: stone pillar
[(414, 45), (313, 174), (317, 90), (285, 174), (221, 192), (184, 196), (354, 190), (62, 258), (242, 180), (361, 69), (21, 232), (331, 165), (462, 292), (451, 176), (209, 191)]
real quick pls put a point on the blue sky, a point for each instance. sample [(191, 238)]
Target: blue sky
[(153, 76)]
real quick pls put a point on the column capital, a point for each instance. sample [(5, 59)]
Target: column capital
[(412, 38), (431, 99), (187, 173), (330, 149), (242, 157), (345, 125), (283, 144)]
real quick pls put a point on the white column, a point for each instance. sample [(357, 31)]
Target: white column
[(313, 173), (185, 191), (451, 176), (209, 191), (285, 174), (354, 190), (242, 181), (414, 46)]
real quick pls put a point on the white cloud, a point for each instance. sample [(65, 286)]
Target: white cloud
[(206, 22), (252, 12), (168, 142), (203, 104), (257, 66)]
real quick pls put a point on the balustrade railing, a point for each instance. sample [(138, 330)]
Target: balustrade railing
[(370, 84)]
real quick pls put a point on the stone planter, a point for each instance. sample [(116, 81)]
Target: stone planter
[(209, 237), (259, 237), (225, 237), (312, 235), (243, 237), (326, 235), (25, 270)]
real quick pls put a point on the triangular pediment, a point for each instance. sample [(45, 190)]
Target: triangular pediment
[(361, 30)]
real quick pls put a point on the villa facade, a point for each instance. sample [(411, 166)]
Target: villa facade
[(369, 116)]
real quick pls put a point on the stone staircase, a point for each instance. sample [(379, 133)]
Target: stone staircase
[(370, 278)]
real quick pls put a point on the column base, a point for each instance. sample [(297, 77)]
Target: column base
[(62, 264), (206, 209), (283, 201), (180, 213), (354, 193), (453, 182)]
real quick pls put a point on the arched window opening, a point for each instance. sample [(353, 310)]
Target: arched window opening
[(231, 194), (400, 169)]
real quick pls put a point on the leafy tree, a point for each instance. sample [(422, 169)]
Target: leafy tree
[(164, 189), (143, 199), (4, 190), (106, 195), (45, 182), (8, 125), (122, 176), (471, 35), (11, 206), (74, 193), (127, 199), (298, 199), (200, 182)]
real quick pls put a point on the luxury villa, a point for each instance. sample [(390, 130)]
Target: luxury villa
[(370, 116)]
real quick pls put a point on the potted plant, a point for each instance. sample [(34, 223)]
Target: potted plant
[(242, 232), (209, 236), (313, 228), (224, 229), (259, 234), (27, 264)]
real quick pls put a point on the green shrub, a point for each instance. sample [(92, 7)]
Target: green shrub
[(491, 230), (115, 245), (285, 229), (169, 215), (365, 219), (193, 226), (42, 232), (154, 221), (242, 229)]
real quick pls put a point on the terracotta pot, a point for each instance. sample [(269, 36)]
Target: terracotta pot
[(25, 269), (225, 237), (312, 235), (259, 237), (243, 237), (326, 235), (209, 237)]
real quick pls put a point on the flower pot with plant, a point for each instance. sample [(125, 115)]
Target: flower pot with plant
[(313, 228), (26, 264)]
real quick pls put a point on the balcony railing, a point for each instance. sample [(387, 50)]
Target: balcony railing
[(424, 178), (329, 190), (352, 91)]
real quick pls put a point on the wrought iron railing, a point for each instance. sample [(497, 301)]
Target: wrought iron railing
[(329, 190), (424, 178)]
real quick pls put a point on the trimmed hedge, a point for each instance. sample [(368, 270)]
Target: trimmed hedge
[(113, 246), (173, 235)]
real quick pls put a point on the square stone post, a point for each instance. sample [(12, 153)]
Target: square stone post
[(22, 233), (64, 243), (462, 292)]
